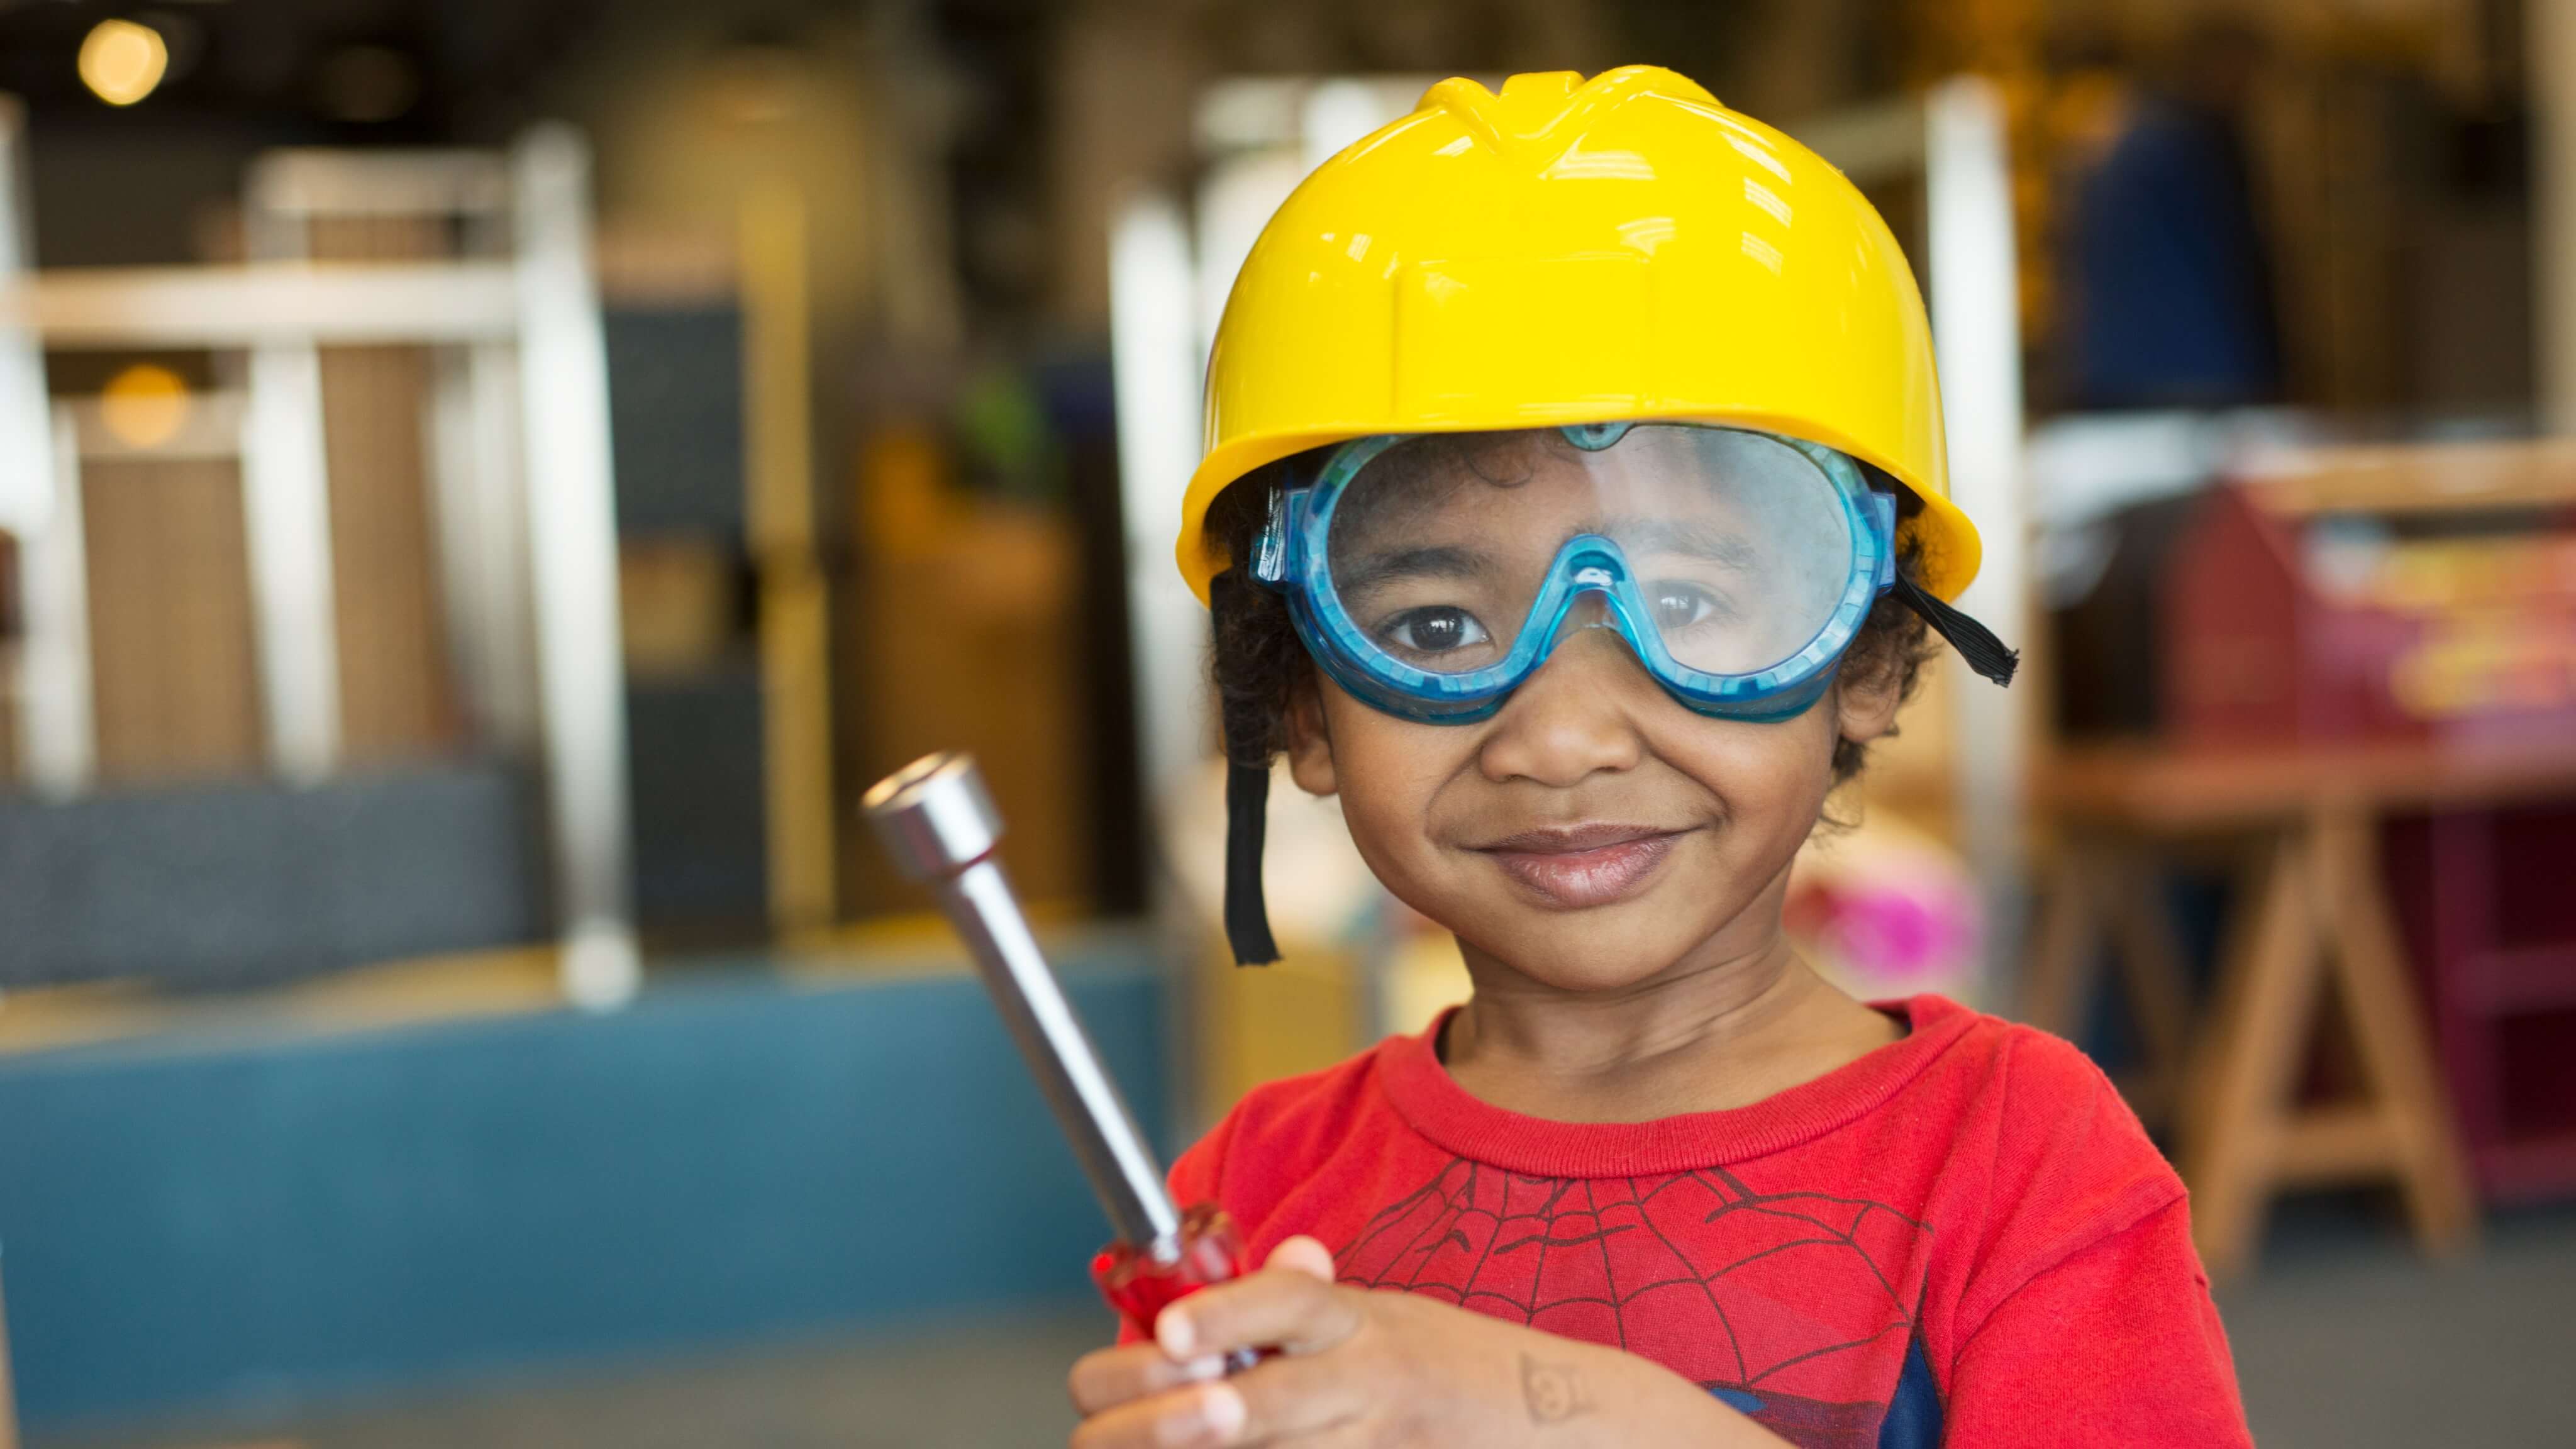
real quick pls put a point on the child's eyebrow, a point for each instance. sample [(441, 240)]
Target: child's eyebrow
[(1691, 538), (1430, 562)]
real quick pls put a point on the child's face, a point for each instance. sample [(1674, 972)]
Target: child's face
[(1593, 833)]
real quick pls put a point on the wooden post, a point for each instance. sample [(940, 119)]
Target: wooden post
[(2098, 891), (2156, 981), (2267, 998), (2060, 975), (2405, 1087), (795, 603)]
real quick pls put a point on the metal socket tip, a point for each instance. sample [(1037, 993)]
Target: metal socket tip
[(934, 816)]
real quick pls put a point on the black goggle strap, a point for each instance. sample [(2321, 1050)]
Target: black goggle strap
[(1975, 642), (1247, 914), (1247, 817)]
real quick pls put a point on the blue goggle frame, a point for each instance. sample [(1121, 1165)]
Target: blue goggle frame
[(1291, 558)]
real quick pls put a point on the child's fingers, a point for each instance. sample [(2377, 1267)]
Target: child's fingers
[(1208, 1415), (1280, 1308), (1112, 1376), (1282, 1402), (1299, 1401), (1302, 1254)]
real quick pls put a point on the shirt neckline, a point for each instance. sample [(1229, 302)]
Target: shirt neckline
[(1433, 1103)]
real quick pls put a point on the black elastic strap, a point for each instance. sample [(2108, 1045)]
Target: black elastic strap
[(1247, 912), (1975, 642), (1247, 818)]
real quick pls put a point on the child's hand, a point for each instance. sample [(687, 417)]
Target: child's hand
[(1363, 1370)]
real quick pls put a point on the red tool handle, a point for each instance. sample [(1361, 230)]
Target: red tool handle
[(1140, 1283)]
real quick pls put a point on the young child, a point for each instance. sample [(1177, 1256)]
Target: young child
[(1574, 510)]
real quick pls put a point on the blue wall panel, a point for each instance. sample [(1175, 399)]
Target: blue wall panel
[(260, 1218)]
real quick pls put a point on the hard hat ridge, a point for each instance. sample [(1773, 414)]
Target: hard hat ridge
[(1537, 108)]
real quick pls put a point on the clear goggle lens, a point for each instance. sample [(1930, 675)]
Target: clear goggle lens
[(1740, 546)]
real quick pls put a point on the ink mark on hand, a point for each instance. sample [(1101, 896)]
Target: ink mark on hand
[(1553, 1391)]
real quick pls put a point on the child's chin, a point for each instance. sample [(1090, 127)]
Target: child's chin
[(1586, 953)]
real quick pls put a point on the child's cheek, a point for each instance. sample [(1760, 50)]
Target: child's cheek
[(1772, 774), (1387, 805), (1383, 764)]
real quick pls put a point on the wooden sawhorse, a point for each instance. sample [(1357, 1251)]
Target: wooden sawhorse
[(2314, 913)]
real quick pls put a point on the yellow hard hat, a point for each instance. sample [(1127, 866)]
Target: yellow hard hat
[(1578, 252)]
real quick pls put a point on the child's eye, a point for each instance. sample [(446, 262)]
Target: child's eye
[(1433, 629), (1679, 605)]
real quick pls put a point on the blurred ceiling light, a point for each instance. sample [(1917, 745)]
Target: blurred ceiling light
[(121, 61), (144, 405), (368, 83)]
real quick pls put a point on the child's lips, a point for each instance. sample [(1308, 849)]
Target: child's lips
[(1588, 865)]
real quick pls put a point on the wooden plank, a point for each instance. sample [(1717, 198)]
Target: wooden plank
[(2335, 1144), (396, 694), (130, 307), (173, 675), (2159, 788), (2422, 478)]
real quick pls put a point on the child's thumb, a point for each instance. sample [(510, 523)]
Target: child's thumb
[(1302, 1254)]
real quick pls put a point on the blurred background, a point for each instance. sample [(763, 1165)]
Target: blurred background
[(485, 486)]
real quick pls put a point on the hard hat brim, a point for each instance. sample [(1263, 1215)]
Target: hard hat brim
[(1949, 548)]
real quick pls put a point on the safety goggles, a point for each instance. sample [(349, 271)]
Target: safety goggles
[(1430, 575)]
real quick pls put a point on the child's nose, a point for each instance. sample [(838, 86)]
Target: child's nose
[(1573, 716)]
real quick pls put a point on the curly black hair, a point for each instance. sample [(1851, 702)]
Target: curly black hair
[(1259, 663)]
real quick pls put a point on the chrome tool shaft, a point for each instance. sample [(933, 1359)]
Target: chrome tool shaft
[(939, 824)]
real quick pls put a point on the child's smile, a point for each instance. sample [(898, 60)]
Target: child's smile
[(1573, 867)]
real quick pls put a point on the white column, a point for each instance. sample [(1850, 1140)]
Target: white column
[(1154, 359), (482, 537), (57, 724), (26, 431), (1976, 331), (286, 520), (572, 548), (52, 693)]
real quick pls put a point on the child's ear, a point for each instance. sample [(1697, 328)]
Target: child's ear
[(1865, 708), (1310, 743)]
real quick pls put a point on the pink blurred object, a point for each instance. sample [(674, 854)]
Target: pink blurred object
[(1886, 909)]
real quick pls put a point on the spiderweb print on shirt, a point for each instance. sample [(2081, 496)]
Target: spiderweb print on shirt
[(1757, 1296)]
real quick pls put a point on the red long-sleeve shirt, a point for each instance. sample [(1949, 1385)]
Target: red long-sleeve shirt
[(1962, 1237)]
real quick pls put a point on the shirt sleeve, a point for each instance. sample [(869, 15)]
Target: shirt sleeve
[(2118, 1344), (1198, 1175)]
